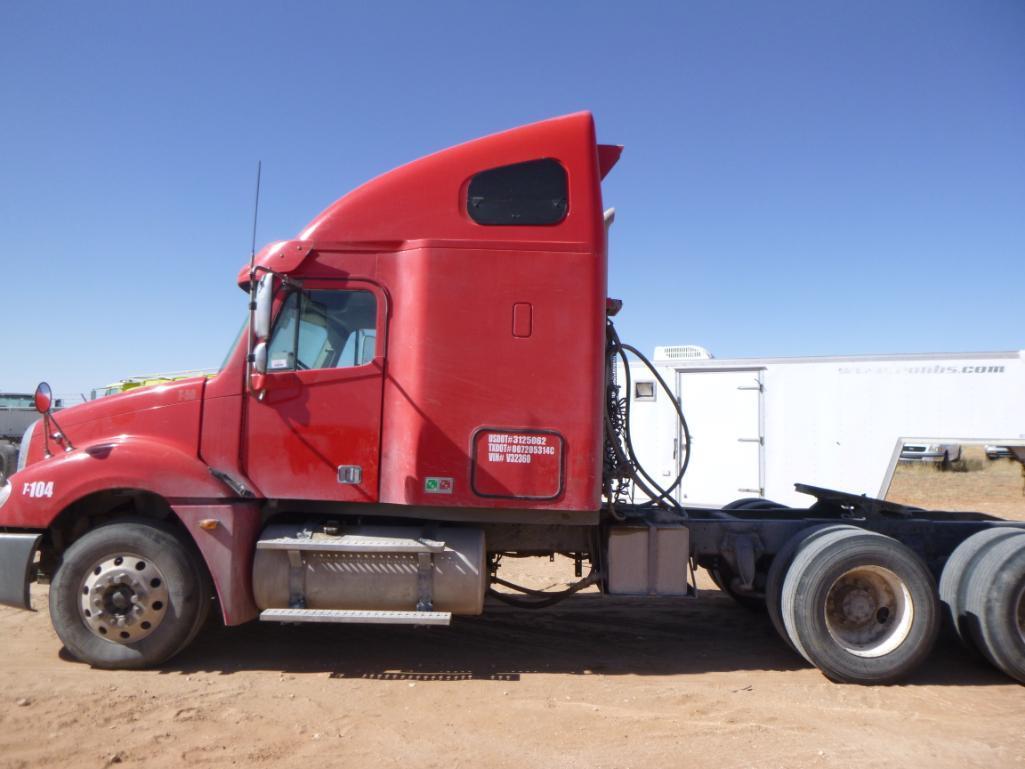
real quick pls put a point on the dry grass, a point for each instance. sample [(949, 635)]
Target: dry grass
[(973, 484)]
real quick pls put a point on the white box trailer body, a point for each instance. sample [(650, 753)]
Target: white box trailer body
[(759, 425)]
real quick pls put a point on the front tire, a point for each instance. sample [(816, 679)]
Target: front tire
[(129, 594)]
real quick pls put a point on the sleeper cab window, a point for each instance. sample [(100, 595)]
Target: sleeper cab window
[(532, 193), (324, 329)]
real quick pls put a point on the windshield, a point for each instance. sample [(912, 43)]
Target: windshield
[(234, 344)]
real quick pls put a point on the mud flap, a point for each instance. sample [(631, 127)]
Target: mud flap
[(17, 552)]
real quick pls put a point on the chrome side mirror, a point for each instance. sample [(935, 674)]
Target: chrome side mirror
[(260, 358), (43, 398), (264, 303)]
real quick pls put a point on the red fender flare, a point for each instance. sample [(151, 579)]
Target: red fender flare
[(42, 490)]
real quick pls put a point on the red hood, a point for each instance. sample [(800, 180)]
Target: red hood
[(136, 399), (168, 413)]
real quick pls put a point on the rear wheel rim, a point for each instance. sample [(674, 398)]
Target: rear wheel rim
[(869, 611), (123, 598)]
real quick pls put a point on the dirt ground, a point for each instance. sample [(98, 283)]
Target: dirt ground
[(975, 483), (595, 682)]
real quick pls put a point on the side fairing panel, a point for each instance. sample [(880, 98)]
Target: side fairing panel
[(493, 340)]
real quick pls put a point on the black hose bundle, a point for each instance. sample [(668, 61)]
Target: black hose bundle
[(617, 428), (620, 467)]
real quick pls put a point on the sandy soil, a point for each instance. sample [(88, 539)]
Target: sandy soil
[(595, 682)]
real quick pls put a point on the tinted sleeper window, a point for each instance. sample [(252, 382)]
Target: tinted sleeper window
[(531, 193)]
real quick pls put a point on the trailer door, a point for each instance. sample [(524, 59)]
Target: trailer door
[(724, 414)]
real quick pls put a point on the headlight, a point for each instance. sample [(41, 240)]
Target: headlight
[(5, 491), (26, 441)]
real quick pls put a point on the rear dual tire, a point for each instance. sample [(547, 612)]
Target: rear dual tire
[(983, 592), (781, 565), (860, 606)]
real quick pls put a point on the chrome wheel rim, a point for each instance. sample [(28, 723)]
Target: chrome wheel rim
[(123, 598), (869, 611)]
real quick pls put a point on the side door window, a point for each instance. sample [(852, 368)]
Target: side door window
[(322, 329)]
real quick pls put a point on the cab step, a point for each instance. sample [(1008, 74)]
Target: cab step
[(357, 617), (353, 543)]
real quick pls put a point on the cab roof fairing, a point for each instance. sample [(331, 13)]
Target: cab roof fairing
[(424, 199)]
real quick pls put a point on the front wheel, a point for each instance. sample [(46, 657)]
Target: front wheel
[(129, 595)]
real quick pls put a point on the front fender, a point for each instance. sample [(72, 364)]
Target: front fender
[(40, 491)]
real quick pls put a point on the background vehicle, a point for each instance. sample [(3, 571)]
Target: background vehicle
[(17, 412), (146, 380), (428, 387), (998, 452), (944, 453)]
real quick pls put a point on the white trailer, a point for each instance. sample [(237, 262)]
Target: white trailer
[(759, 425)]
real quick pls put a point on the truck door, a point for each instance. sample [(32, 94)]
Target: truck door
[(316, 431)]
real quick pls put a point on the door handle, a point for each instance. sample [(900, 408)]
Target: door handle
[(350, 474)]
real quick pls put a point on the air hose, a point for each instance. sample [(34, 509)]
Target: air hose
[(620, 440)]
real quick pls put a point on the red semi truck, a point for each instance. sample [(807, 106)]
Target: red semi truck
[(427, 385)]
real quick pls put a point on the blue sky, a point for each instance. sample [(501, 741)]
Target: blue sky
[(800, 178)]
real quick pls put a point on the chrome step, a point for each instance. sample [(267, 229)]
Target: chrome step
[(353, 543), (360, 617)]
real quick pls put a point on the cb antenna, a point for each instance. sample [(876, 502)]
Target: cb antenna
[(250, 359), (256, 213)]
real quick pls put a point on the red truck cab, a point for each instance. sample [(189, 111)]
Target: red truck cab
[(435, 350)]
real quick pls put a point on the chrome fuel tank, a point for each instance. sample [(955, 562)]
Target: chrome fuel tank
[(374, 568)]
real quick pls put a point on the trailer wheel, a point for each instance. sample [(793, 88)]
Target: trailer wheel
[(957, 571), (781, 564), (129, 595), (861, 607), (995, 606)]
